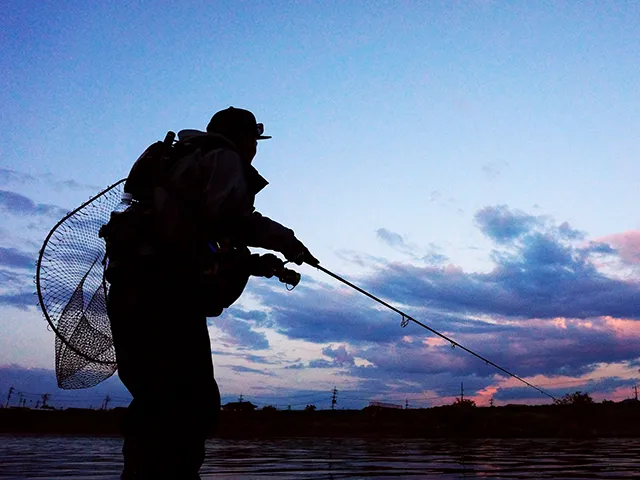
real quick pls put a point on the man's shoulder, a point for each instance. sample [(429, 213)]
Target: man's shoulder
[(207, 154), (222, 157), (192, 140)]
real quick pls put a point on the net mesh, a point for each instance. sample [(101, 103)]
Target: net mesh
[(72, 291)]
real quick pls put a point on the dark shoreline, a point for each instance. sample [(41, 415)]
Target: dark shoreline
[(545, 421)]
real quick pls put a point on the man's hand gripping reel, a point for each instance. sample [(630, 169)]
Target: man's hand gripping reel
[(289, 277), (269, 265)]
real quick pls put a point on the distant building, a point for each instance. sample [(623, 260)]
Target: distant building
[(239, 407), (385, 405)]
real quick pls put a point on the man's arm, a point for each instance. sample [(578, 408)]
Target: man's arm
[(260, 231), (230, 212)]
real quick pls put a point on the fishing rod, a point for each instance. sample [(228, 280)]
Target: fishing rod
[(407, 318)]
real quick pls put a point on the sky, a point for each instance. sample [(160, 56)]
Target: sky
[(472, 163)]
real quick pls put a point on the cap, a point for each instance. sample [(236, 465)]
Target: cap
[(234, 122)]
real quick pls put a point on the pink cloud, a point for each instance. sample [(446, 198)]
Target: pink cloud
[(623, 327), (617, 395), (627, 244)]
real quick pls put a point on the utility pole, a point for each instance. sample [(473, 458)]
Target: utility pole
[(635, 389), (491, 402), (107, 399), (461, 392), (11, 390), (406, 404), (334, 399)]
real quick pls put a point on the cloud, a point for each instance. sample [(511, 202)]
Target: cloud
[(296, 366), (74, 185), (252, 315), (339, 355), (321, 363), (17, 204), (544, 309), (566, 232), (22, 301), (16, 287), (9, 176), (503, 225), (597, 248), (604, 387), (543, 349), (13, 176), (627, 245), (11, 278), (258, 358), (11, 257), (493, 170), (434, 255), (240, 333), (360, 259), (242, 369), (263, 359), (324, 316), (539, 273), (390, 238)]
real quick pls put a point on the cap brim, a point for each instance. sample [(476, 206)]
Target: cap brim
[(263, 137)]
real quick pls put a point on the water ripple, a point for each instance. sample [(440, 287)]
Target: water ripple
[(99, 458)]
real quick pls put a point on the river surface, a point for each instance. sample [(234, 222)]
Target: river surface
[(99, 458)]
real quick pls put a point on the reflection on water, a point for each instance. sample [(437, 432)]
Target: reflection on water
[(322, 458)]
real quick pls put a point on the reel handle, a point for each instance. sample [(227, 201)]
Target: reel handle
[(288, 276)]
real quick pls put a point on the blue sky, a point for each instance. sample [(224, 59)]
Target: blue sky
[(473, 162)]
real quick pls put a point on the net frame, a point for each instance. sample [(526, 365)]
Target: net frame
[(72, 292)]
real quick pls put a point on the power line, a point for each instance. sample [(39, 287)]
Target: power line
[(295, 395)]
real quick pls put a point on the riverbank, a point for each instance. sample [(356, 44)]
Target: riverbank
[(547, 421)]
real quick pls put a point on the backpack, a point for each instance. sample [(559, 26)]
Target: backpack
[(151, 169), (131, 235)]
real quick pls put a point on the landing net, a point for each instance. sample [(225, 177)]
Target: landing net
[(72, 292)]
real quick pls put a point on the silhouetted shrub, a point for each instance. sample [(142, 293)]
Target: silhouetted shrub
[(577, 398), (466, 403)]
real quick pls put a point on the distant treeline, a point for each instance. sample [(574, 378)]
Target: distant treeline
[(576, 420)]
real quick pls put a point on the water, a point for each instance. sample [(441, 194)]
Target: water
[(98, 458)]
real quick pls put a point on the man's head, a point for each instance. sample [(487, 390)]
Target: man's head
[(239, 126)]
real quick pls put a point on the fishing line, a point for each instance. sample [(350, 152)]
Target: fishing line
[(407, 318)]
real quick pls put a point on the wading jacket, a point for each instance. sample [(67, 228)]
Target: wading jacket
[(205, 202), (209, 198)]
